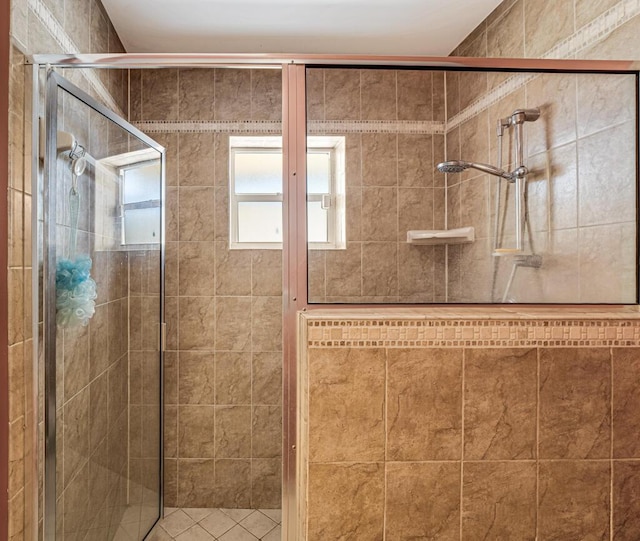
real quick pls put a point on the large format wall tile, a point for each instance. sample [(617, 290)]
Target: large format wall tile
[(499, 500), (424, 401), (575, 407), (626, 500), (500, 407), (422, 501), (626, 403), (346, 398), (346, 501), (574, 500)]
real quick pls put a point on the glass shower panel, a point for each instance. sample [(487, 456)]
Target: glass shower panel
[(477, 186), (102, 294)]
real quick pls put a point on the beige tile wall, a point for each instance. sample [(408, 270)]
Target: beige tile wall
[(144, 386), (223, 307), (92, 32), (403, 441), (22, 481), (581, 216), (392, 186)]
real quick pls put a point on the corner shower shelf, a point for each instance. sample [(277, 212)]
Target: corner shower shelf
[(462, 235)]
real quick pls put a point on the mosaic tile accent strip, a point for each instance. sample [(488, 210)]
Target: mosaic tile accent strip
[(583, 38), (216, 126), (315, 127), (472, 333), (42, 12)]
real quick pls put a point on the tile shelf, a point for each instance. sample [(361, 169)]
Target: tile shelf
[(461, 235)]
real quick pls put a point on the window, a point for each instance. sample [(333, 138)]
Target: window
[(255, 188), (141, 205), (133, 182)]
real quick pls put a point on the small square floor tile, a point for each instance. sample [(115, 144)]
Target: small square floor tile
[(195, 533), (177, 522), (217, 523), (258, 524), (238, 533), (274, 535), (273, 514)]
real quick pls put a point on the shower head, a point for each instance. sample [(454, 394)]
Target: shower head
[(454, 166), (458, 166)]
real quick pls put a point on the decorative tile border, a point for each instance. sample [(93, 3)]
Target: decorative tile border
[(473, 333), (424, 127), (275, 127), (583, 38), (216, 126), (57, 31)]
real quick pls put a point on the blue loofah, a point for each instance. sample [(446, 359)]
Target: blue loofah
[(75, 292)]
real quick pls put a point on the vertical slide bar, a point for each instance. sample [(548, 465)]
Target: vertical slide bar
[(519, 191), (294, 274)]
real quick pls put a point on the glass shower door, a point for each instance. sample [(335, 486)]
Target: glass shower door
[(102, 236)]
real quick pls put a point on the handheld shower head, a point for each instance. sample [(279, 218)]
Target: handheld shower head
[(454, 166), (457, 166)]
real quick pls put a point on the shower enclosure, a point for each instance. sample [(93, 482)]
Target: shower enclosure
[(291, 184), (101, 217)]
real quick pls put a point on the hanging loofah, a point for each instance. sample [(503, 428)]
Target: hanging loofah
[(76, 292)]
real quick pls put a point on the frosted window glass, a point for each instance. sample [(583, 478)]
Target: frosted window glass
[(142, 226), (259, 172), (317, 222), (318, 172), (142, 184), (259, 221)]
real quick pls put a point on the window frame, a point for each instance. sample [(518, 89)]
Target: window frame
[(336, 216)]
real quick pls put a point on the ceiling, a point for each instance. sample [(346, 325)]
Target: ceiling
[(424, 27)]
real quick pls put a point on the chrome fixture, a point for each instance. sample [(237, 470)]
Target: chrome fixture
[(517, 176), (517, 119), (458, 166)]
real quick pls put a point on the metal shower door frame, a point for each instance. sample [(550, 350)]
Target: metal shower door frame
[(54, 83)]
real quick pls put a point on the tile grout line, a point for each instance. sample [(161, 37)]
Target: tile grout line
[(386, 444), (537, 441), (611, 463), (462, 400)]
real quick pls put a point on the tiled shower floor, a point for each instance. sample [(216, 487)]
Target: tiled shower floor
[(218, 525)]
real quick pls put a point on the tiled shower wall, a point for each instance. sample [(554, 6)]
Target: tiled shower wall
[(392, 185), (22, 416), (581, 215), (37, 30), (469, 429), (223, 307)]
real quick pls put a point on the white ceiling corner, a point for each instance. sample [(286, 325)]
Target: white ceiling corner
[(407, 27)]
